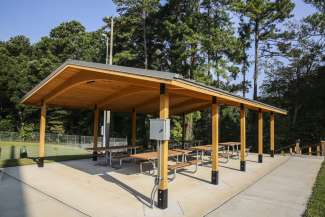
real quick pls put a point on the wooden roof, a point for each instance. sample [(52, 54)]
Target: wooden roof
[(78, 84)]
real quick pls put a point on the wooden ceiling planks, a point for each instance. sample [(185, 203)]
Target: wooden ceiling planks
[(75, 86)]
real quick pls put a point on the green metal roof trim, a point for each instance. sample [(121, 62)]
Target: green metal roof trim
[(143, 72)]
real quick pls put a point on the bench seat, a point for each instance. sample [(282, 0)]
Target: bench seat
[(182, 165)]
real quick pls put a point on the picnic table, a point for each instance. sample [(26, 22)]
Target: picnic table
[(233, 145), (224, 145), (109, 151), (151, 157)]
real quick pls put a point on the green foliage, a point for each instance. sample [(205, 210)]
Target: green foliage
[(196, 39), (177, 130), (262, 17), (299, 85), (316, 204)]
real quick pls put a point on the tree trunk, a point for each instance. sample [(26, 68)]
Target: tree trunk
[(145, 39), (256, 32), (244, 81), (189, 127)]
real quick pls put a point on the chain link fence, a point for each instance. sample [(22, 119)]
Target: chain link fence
[(50, 138)]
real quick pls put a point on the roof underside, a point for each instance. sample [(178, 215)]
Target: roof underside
[(77, 84)]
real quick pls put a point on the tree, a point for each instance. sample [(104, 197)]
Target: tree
[(138, 9), (299, 84), (245, 43), (263, 17)]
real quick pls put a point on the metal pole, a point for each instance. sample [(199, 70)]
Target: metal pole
[(111, 45), (106, 59), (107, 113)]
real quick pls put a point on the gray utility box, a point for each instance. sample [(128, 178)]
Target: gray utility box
[(159, 129)]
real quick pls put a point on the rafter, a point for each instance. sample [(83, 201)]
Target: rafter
[(128, 91), (67, 85), (187, 102), (190, 108)]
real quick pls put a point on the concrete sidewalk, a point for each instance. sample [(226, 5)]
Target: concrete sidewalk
[(283, 192), (79, 188)]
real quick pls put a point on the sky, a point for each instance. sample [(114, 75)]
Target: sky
[(35, 18)]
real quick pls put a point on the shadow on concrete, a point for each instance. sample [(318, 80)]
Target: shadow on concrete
[(253, 161), (139, 196), (230, 168), (184, 173), (11, 190)]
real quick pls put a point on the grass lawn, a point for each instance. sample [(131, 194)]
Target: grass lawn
[(316, 204), (10, 153)]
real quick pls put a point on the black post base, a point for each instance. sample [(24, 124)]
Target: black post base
[(243, 165), (272, 153), (162, 198), (260, 158), (215, 177), (40, 162), (94, 156)]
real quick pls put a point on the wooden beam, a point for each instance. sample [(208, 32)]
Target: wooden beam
[(184, 92), (41, 150), (260, 136), (191, 108), (134, 127), (67, 85), (215, 141), (119, 94), (242, 138), (225, 96), (96, 123), (272, 139), (163, 185), (187, 102)]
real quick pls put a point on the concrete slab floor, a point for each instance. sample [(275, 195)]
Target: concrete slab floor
[(79, 188), (283, 192)]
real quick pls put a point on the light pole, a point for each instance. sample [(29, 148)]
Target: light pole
[(111, 42), (107, 113)]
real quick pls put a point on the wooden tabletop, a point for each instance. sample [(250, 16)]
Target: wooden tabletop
[(184, 151), (229, 143), (202, 148), (116, 147), (154, 155)]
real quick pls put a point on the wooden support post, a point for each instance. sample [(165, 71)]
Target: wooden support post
[(272, 134), (260, 136), (95, 133), (297, 147), (41, 150), (242, 138), (215, 141), (134, 127), (318, 150), (163, 185), (322, 143), (309, 150), (183, 131)]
